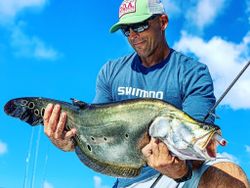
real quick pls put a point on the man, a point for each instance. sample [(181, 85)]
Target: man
[(155, 71)]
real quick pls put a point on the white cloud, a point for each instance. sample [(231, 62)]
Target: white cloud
[(204, 12), (172, 8), (247, 148), (230, 157), (198, 14), (3, 148), (22, 44), (46, 184), (98, 182), (30, 46), (10, 8), (225, 59)]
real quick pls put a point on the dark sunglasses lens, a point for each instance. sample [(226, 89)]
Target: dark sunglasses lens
[(138, 28), (125, 31)]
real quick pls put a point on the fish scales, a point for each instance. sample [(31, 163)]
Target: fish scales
[(110, 136)]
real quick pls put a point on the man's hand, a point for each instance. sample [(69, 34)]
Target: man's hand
[(159, 157), (54, 124)]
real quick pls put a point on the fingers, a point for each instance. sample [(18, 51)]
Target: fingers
[(147, 151), (54, 118), (155, 147), (60, 126), (49, 119), (54, 121), (47, 114), (157, 153), (165, 153), (54, 127), (70, 133), (160, 158)]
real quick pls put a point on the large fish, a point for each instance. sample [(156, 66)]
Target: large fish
[(110, 136)]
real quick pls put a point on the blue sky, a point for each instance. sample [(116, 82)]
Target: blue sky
[(55, 49)]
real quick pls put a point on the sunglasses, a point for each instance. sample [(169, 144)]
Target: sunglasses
[(138, 27)]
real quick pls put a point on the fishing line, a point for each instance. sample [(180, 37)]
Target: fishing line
[(45, 166), (27, 160), (33, 178), (226, 91), (156, 181)]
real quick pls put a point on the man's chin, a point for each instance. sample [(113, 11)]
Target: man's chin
[(141, 53)]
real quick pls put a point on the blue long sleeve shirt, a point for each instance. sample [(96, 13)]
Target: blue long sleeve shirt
[(178, 80)]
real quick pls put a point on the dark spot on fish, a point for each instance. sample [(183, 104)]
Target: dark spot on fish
[(24, 102), (42, 112), (36, 112), (105, 138), (92, 138), (31, 105), (89, 148), (126, 135)]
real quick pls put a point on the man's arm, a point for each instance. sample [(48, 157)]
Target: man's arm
[(224, 174)]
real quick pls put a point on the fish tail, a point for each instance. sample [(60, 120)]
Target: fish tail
[(29, 109)]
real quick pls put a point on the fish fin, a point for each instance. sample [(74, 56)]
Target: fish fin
[(78, 103), (107, 169)]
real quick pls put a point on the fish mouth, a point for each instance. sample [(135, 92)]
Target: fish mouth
[(207, 144)]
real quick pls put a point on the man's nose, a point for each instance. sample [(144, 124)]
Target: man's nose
[(132, 33)]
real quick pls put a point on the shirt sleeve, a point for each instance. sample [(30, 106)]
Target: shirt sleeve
[(198, 92), (103, 88)]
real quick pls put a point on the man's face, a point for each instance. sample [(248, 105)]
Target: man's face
[(146, 42)]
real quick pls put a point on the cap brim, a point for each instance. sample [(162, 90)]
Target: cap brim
[(129, 20)]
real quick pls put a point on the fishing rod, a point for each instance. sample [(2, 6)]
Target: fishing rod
[(226, 91), (218, 137)]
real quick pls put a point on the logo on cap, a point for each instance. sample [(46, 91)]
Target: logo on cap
[(127, 6)]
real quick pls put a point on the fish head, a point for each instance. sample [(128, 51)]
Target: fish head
[(202, 138), (187, 139)]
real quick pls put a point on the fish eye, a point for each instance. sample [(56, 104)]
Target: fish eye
[(206, 127)]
